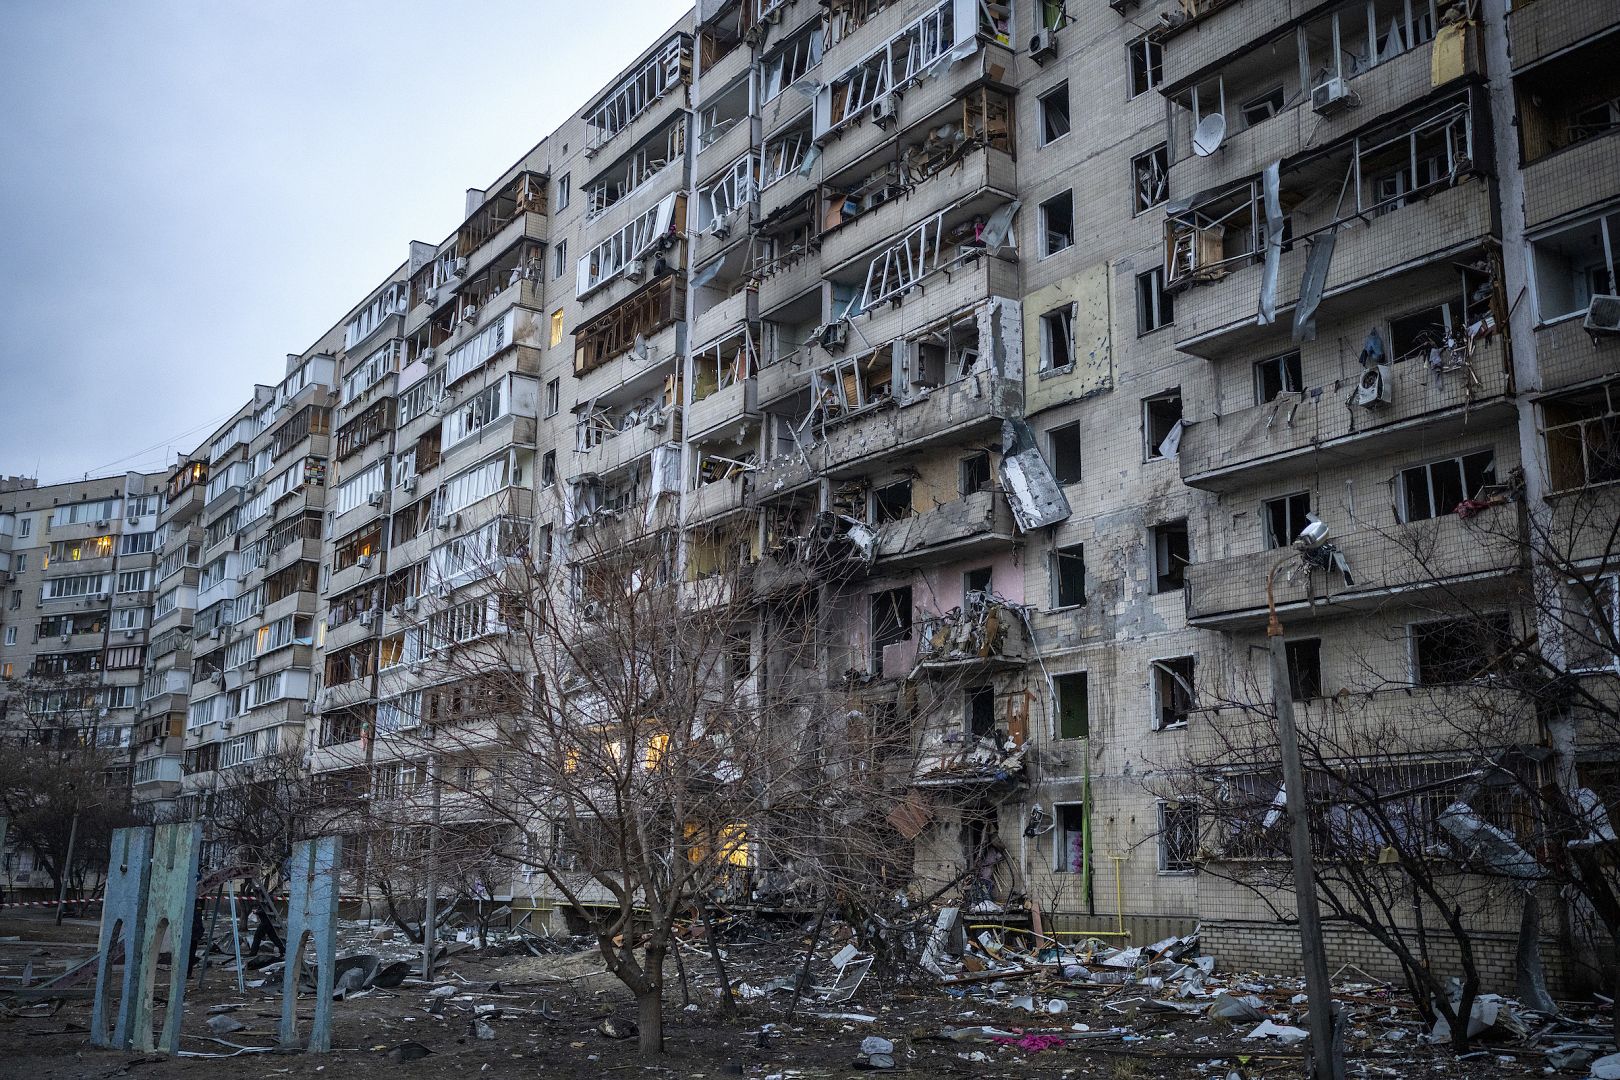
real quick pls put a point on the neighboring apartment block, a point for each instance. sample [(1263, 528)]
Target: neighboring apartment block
[(1028, 336), (77, 566)]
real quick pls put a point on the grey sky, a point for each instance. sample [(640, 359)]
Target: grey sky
[(190, 191)]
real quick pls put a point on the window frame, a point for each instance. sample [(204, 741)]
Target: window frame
[(1155, 308), (1041, 107), (1268, 535), (1152, 70), (1045, 248), (1161, 571), (1161, 152), (1160, 663), (1080, 680), (1189, 860), (1054, 455), (1150, 445), (1062, 316), (1055, 563), (1285, 370), (1404, 503)]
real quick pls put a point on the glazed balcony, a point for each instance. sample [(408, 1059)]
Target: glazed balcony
[(1410, 561), (1323, 430), (1378, 263)]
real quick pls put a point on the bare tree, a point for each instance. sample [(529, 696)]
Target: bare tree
[(648, 729), (63, 776)]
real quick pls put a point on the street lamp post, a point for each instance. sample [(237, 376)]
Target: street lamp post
[(1323, 1064)]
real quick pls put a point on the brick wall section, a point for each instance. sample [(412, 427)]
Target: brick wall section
[(1274, 949)]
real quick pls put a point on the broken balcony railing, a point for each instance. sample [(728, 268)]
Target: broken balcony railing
[(907, 56), (727, 193), (987, 629), (640, 90)]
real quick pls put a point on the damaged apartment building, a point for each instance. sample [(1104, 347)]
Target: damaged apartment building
[(1025, 336)]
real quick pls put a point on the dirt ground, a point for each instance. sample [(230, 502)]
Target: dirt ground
[(545, 1012)]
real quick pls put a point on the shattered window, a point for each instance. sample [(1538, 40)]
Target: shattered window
[(1171, 553), (977, 580), (1588, 615), (1277, 375), (891, 503), (891, 622), (1161, 424), (1146, 64), (1057, 339), (1064, 445), (1057, 223), (1155, 308), (1069, 576), (1284, 517), (1263, 107), (1068, 839), (975, 473), (979, 711), (1150, 177), (1054, 111), (1178, 838), (1428, 491), (548, 467), (1072, 705), (1173, 692), (1583, 437), (1305, 669), (1449, 651)]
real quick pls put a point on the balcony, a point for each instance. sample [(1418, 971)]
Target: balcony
[(1372, 264), (731, 404), (1569, 356), (964, 529), (717, 500), (1379, 90), (985, 634), (613, 454), (1571, 179), (739, 307), (1537, 31), (975, 184), (993, 64), (1328, 430), (968, 409), (1407, 561), (787, 279)]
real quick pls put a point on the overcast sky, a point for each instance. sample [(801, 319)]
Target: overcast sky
[(190, 191)]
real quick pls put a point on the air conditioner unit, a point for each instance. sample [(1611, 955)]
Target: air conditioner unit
[(397, 610), (375, 498), (129, 635), (409, 485), (363, 562), (720, 230), (460, 268), (1043, 46), (103, 523), (309, 708), (591, 611), (634, 270), (1603, 315), (252, 664), (410, 603), (104, 597), (103, 711), (883, 112), (1332, 95), (449, 521), (365, 618), (134, 521), (426, 355), (214, 634), (1377, 387)]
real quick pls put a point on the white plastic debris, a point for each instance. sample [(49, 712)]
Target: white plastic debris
[(1284, 1034)]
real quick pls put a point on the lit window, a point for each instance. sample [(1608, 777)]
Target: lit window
[(556, 327)]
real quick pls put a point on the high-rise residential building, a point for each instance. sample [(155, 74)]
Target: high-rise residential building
[(77, 561), (1028, 338)]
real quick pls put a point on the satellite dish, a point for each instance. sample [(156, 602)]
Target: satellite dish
[(1211, 130)]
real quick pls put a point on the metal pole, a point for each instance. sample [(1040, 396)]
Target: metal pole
[(430, 906), (67, 866), (1318, 989)]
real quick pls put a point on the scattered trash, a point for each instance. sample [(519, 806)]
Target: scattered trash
[(614, 1028), (1288, 1036)]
